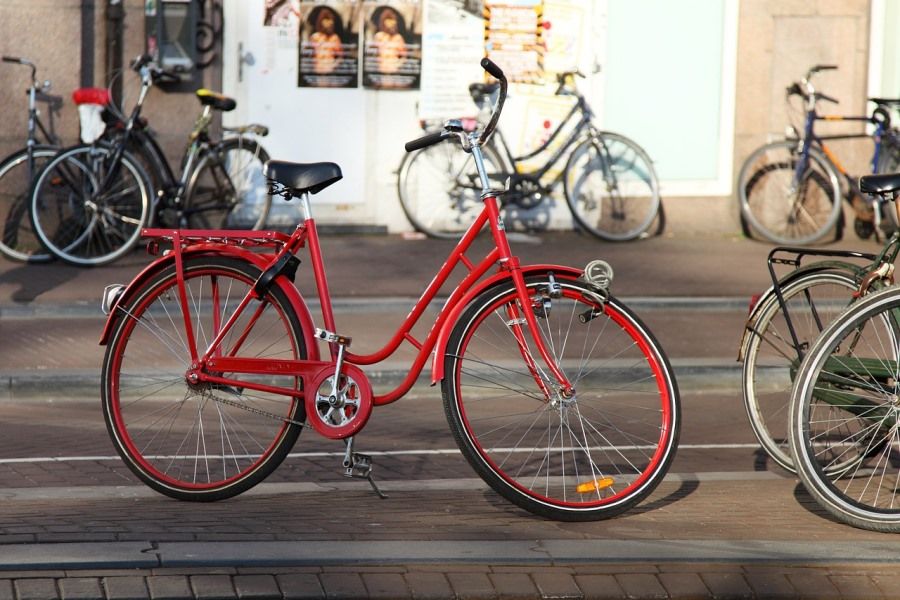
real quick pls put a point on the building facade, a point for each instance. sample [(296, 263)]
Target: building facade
[(698, 84)]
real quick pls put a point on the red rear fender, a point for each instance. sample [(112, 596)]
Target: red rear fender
[(259, 260)]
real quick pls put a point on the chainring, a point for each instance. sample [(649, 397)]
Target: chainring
[(340, 415)]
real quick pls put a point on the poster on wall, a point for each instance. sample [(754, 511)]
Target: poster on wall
[(280, 20), (563, 34), (329, 44), (392, 55), (513, 37), (451, 52), (281, 13)]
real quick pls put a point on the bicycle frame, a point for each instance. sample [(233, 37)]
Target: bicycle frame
[(810, 139), (186, 242), (583, 124)]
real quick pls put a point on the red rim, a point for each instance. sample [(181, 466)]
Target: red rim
[(662, 447), (121, 430)]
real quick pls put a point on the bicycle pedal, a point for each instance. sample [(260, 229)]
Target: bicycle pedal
[(360, 467), (333, 338)]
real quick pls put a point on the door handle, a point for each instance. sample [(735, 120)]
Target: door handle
[(244, 59)]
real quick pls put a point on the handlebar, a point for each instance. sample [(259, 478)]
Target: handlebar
[(452, 128), (807, 91), (145, 65), (23, 61), (492, 68), (427, 140)]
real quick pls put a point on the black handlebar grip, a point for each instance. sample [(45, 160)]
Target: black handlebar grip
[(426, 140), (12, 59), (827, 98), (492, 68)]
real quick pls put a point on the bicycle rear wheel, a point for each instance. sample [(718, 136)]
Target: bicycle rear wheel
[(588, 457), (611, 187), (439, 188), (771, 359), (228, 189), (844, 415), (200, 441), (87, 210), (780, 209), (18, 241)]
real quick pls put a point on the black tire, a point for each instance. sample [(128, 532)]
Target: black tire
[(844, 411), (18, 241), (617, 435), (228, 190), (86, 211), (439, 188), (814, 299), (155, 418), (612, 188), (778, 211)]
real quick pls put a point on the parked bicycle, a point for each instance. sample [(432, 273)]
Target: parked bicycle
[(786, 320), (844, 427), (790, 191), (18, 169), (556, 393), (609, 181), (89, 203)]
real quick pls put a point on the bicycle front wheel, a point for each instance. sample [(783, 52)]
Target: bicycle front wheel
[(88, 209), (18, 241), (611, 187), (228, 189), (200, 441), (781, 207), (844, 426), (588, 457), (439, 188), (771, 358)]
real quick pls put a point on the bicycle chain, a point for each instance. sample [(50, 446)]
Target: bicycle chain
[(259, 411)]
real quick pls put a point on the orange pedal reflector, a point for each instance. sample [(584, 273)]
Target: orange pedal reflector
[(595, 485)]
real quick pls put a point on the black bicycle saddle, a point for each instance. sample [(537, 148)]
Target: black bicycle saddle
[(881, 184), (301, 178)]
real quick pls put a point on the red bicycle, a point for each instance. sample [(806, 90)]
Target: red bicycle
[(557, 395)]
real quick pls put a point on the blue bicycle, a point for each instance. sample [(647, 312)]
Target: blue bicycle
[(790, 190)]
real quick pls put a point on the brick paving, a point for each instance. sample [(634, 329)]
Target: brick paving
[(722, 496), (671, 580)]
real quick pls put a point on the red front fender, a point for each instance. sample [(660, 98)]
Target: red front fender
[(437, 365), (259, 260)]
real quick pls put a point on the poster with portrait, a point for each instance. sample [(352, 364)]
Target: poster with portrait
[(392, 44), (329, 44)]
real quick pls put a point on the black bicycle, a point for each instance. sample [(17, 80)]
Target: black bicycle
[(18, 169), (89, 204), (609, 181)]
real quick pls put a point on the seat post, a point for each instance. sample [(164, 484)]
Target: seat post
[(305, 206)]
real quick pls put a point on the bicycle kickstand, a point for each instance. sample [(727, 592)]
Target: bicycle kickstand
[(359, 466)]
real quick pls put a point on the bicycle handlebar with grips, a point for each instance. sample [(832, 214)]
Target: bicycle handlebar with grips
[(437, 137), (16, 60), (427, 140), (815, 69), (795, 90)]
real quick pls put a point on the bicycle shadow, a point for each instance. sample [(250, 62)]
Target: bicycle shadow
[(657, 500), (30, 281)]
